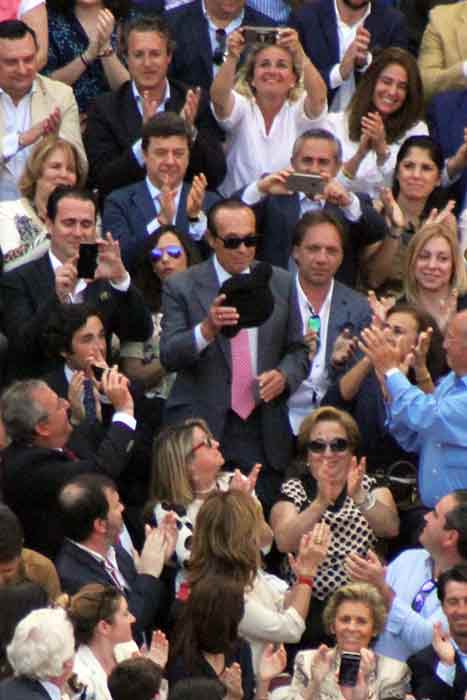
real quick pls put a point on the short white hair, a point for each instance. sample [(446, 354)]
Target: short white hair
[(43, 641)]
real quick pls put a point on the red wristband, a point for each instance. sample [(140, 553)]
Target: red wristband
[(306, 580)]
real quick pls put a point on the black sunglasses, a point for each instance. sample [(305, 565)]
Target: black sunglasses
[(319, 446), (234, 242), (218, 55)]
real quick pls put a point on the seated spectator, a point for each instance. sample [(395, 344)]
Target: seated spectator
[(316, 152), (32, 291), (83, 47), (34, 14), (198, 689), (92, 519), (341, 39), (409, 583), (331, 486), (438, 670), (41, 655), (442, 56), (263, 118), (355, 614), (51, 106), (16, 601), (44, 453), (23, 231), (227, 540), (385, 109), (435, 279), (163, 198), (200, 30), (165, 252), (138, 677), (113, 134), (19, 564)]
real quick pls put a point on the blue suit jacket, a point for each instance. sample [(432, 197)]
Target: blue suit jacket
[(317, 27), (192, 58), (22, 688), (129, 210), (447, 117)]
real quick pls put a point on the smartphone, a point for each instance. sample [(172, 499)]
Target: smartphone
[(97, 372), (260, 35), (87, 261), (314, 324), (348, 671), (309, 184)]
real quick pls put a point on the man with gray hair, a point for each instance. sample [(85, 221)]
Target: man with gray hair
[(41, 654), (44, 452), (317, 152)]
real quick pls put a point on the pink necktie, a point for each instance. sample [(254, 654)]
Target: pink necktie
[(243, 402)]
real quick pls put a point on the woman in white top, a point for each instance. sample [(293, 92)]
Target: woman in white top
[(386, 108), (34, 13), (276, 96)]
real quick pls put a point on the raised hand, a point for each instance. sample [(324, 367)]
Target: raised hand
[(66, 277), (218, 316), (247, 484), (272, 662), (368, 569), (312, 551), (231, 677), (194, 202), (354, 480), (275, 183), (110, 265), (391, 209), (373, 127), (190, 108), (343, 349), (159, 649), (380, 307), (442, 644)]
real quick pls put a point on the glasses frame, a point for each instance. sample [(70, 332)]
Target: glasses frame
[(173, 251), (338, 445), (230, 242)]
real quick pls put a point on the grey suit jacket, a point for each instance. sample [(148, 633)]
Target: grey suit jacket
[(349, 309), (203, 383)]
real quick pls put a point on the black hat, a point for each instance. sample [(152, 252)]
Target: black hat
[(251, 296)]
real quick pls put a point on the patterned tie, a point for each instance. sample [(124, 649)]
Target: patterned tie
[(242, 402)]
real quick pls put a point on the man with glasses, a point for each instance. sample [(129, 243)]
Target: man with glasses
[(410, 582), (132, 213), (239, 385)]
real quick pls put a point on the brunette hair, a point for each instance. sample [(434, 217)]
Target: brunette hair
[(93, 603)]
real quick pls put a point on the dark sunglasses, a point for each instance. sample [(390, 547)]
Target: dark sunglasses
[(218, 55), (319, 446), (174, 251), (234, 242), (207, 442), (419, 599)]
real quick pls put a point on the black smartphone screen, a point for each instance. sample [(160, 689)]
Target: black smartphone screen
[(348, 671), (98, 372), (87, 261)]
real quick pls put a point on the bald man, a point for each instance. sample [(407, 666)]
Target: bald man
[(433, 425)]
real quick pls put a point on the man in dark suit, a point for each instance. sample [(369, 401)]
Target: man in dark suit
[(33, 290), (439, 671), (341, 45), (200, 30), (113, 133), (44, 452), (331, 313), (134, 212), (92, 518), (207, 363), (318, 152)]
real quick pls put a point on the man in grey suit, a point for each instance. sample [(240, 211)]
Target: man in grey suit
[(193, 345), (332, 314)]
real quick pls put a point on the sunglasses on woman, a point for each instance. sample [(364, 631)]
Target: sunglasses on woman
[(319, 446), (173, 251)]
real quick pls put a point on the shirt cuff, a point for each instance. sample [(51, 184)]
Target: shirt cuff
[(391, 371), (120, 417), (251, 194), (369, 60), (446, 672), (200, 341), (10, 145), (335, 77), (464, 68), (197, 229), (353, 211), (122, 286), (446, 179), (138, 152)]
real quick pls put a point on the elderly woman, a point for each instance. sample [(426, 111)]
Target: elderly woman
[(227, 540), (267, 108), (41, 656), (332, 487), (354, 615), (23, 231)]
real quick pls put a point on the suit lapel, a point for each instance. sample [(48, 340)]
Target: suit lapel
[(206, 288), (130, 115), (43, 275), (143, 203), (338, 317), (181, 220)]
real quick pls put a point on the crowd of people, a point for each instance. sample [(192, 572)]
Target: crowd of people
[(233, 350)]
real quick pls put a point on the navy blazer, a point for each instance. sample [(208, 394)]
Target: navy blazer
[(192, 58), (129, 210), (146, 594), (22, 688), (426, 684), (317, 28), (447, 117)]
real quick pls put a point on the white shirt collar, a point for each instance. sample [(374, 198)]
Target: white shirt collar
[(305, 304), (138, 98), (52, 690), (28, 94), (155, 191), (231, 27), (222, 274), (360, 21)]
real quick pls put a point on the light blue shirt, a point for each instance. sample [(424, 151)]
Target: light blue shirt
[(407, 631), (447, 673), (435, 426)]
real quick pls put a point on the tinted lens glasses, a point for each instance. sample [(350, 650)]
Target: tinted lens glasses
[(234, 242), (319, 446), (173, 251)]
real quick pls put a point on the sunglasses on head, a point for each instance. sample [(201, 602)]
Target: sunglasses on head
[(234, 242), (319, 446), (173, 251)]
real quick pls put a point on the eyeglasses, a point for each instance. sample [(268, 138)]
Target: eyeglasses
[(234, 242), (218, 55), (319, 446), (207, 442), (419, 599), (173, 251)]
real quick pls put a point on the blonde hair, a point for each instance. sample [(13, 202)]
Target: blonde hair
[(35, 163), (329, 413), (419, 240), (357, 593), (244, 81)]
